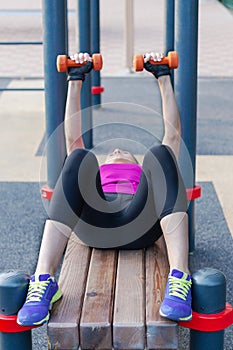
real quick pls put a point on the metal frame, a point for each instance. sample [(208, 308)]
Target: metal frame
[(21, 43), (95, 47), (186, 44), (84, 22), (55, 43)]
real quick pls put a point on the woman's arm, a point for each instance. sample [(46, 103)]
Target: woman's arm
[(171, 117), (73, 116)]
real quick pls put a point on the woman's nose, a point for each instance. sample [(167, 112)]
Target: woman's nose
[(117, 150)]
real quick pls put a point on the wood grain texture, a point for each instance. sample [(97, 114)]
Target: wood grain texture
[(161, 332), (129, 310), (96, 319), (63, 325), (114, 298)]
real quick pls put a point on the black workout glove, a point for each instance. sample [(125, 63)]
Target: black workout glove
[(78, 73), (157, 69)]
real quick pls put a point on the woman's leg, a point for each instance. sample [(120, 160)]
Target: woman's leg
[(79, 172), (54, 241), (171, 206), (175, 230), (65, 208), (78, 180), (170, 203)]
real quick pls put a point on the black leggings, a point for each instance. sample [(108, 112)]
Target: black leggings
[(104, 220)]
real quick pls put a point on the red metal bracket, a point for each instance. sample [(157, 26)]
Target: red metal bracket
[(8, 324), (193, 193), (46, 192), (212, 322), (96, 90)]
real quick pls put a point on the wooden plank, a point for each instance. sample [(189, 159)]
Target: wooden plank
[(63, 325), (161, 332), (96, 319), (129, 309)]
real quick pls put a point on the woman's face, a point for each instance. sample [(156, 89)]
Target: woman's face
[(120, 156)]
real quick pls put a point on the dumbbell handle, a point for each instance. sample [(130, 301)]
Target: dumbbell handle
[(163, 60), (171, 60), (72, 63)]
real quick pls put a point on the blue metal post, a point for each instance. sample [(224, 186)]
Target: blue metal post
[(13, 291), (170, 29), (84, 9), (95, 46), (55, 43), (209, 297), (186, 39)]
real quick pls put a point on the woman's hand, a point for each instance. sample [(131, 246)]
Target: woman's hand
[(79, 73), (156, 69)]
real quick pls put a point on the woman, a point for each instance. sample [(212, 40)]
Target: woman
[(118, 205)]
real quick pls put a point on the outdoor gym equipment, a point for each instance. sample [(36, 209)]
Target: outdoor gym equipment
[(13, 291), (181, 35), (63, 62), (171, 60), (211, 314)]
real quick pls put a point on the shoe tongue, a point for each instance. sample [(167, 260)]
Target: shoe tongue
[(180, 274), (40, 278)]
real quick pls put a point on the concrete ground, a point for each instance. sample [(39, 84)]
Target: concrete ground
[(22, 118)]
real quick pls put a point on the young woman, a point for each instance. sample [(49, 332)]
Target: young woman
[(119, 204)]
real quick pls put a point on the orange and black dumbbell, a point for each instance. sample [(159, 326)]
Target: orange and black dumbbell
[(172, 60), (63, 62)]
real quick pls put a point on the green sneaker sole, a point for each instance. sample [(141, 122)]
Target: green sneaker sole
[(188, 318)]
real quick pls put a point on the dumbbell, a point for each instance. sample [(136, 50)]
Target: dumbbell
[(63, 62), (171, 60)]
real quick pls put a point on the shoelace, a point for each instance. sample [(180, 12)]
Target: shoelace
[(179, 287), (36, 290)]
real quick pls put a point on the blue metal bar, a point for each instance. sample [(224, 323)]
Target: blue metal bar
[(95, 46), (170, 25), (209, 297), (186, 34), (55, 43), (13, 291), (85, 46), (21, 43), (21, 12), (21, 89), (170, 29), (21, 78)]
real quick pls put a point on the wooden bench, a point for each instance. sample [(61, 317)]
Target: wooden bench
[(111, 300)]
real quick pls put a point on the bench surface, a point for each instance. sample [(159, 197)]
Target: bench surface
[(111, 300)]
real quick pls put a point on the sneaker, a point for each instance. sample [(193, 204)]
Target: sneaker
[(177, 301), (42, 293)]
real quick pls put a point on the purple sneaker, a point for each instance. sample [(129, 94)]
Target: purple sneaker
[(42, 293), (177, 301)]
